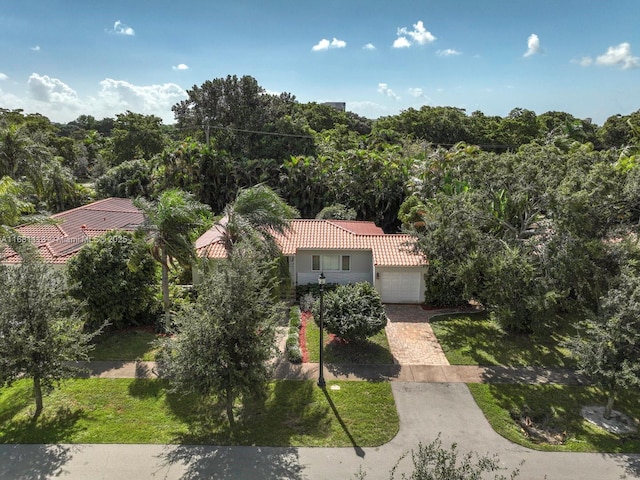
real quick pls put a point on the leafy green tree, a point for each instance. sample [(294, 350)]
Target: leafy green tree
[(232, 112), (435, 462), (40, 329), (115, 277), (135, 136), (130, 179), (172, 222), (607, 347), (337, 211), (352, 312), (223, 341)]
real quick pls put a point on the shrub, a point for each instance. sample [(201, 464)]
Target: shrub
[(313, 289), (292, 340), (294, 317), (294, 354), (352, 312), (306, 302)]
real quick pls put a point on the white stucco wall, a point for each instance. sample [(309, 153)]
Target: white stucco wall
[(361, 267)]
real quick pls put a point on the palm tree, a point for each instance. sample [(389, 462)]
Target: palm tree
[(12, 206), (59, 187), (256, 215), (171, 221), (21, 156), (12, 211)]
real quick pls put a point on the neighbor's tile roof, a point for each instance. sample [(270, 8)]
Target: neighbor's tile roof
[(387, 250), (61, 240)]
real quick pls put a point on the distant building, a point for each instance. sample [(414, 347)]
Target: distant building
[(340, 106)]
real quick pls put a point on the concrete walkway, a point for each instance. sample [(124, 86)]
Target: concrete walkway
[(425, 409), (393, 373)]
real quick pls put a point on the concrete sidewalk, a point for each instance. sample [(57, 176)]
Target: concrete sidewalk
[(394, 373)]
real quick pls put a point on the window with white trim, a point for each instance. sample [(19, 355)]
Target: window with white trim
[(331, 263)]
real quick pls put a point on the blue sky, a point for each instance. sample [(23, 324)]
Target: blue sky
[(65, 58)]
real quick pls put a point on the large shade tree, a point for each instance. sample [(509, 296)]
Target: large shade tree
[(224, 340), (607, 347)]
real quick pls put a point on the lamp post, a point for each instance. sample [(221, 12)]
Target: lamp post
[(321, 281)]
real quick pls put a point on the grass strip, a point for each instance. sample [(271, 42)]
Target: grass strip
[(555, 409), (295, 413)]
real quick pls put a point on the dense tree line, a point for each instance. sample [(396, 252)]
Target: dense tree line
[(231, 134)]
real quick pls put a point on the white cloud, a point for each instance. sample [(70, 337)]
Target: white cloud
[(46, 89), (619, 55), (401, 42), (325, 44), (3, 76), (419, 35), (584, 61), (120, 28), (448, 52), (416, 92), (35, 48), (180, 66), (119, 95), (384, 89), (369, 46), (533, 45), (61, 103)]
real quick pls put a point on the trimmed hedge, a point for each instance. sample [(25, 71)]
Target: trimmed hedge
[(313, 289), (294, 354)]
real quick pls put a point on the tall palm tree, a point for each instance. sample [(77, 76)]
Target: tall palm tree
[(171, 221), (255, 215)]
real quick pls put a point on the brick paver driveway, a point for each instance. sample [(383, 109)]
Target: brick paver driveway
[(410, 336)]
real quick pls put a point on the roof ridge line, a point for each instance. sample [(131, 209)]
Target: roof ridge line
[(82, 207)]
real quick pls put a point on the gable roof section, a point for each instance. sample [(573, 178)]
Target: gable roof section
[(387, 250), (71, 229)]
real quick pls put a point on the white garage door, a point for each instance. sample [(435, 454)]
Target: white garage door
[(400, 286)]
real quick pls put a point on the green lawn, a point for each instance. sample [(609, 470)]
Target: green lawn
[(374, 350), (128, 345), (296, 413), (477, 340), (557, 407)]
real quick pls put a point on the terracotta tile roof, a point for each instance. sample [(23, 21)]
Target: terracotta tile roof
[(387, 250), (60, 241)]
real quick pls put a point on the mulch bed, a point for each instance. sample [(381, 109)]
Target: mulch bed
[(304, 316)]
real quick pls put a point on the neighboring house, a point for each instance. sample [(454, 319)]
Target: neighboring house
[(346, 252), (68, 231)]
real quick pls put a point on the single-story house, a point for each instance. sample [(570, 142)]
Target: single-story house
[(346, 252), (59, 240)]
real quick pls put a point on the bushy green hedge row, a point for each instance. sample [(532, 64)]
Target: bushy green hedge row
[(294, 354), (313, 289)]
